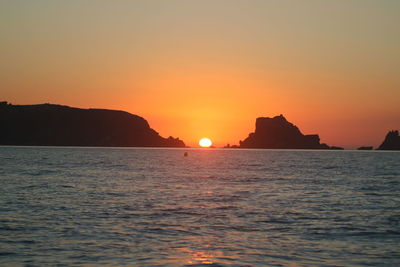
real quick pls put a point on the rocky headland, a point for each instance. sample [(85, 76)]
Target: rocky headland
[(391, 142), (56, 125), (278, 133)]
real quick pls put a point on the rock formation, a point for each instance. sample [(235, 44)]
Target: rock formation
[(277, 132), (391, 142), (56, 125)]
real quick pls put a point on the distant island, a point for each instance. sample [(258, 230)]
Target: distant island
[(278, 133), (391, 142), (365, 148), (57, 125)]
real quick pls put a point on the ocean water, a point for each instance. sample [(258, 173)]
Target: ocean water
[(155, 207)]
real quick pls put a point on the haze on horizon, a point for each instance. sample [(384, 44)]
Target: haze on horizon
[(209, 68)]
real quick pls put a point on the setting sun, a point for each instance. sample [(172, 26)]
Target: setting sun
[(205, 142)]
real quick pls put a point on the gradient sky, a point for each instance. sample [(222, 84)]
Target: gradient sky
[(211, 67)]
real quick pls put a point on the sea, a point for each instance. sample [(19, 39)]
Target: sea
[(75, 206)]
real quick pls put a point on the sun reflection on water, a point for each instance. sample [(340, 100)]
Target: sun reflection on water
[(188, 256), (200, 257)]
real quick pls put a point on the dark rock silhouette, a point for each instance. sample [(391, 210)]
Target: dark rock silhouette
[(229, 146), (336, 148), (277, 132), (56, 125), (365, 148), (391, 142)]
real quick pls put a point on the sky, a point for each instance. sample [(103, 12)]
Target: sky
[(209, 68)]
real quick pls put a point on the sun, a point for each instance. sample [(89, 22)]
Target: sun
[(205, 142)]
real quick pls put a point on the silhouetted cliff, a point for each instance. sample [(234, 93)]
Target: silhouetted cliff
[(277, 132), (391, 142), (56, 125)]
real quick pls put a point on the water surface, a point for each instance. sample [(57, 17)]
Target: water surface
[(155, 207)]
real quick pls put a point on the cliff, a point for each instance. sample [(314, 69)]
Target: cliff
[(56, 125), (391, 142), (277, 132)]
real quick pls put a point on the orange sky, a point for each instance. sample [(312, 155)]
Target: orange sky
[(209, 68)]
